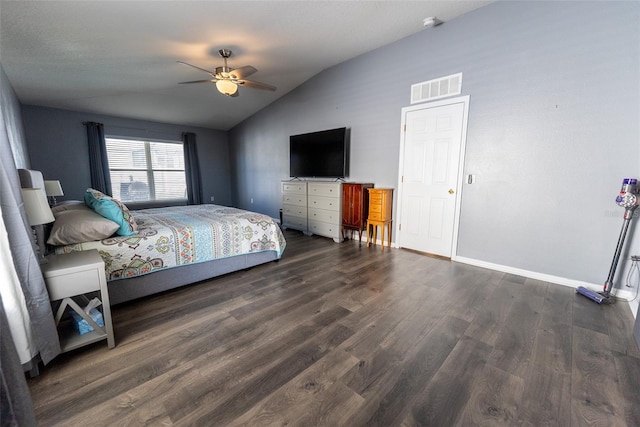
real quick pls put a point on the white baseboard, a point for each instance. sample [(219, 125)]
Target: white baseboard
[(624, 294)]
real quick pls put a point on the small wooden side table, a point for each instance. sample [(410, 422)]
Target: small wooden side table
[(380, 204), (74, 275)]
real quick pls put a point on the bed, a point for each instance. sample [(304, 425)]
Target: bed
[(171, 247)]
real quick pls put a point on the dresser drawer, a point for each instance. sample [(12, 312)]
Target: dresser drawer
[(293, 210), (294, 199), (375, 198), (297, 188), (326, 189), (375, 216), (324, 216), (324, 229), (328, 203), (294, 222), (375, 207), (67, 285)]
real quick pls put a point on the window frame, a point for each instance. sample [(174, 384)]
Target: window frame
[(149, 170)]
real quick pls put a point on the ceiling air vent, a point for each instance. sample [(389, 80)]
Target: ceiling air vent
[(436, 88)]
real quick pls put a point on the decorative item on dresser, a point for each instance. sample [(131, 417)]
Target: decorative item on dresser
[(355, 205), (325, 209), (380, 204)]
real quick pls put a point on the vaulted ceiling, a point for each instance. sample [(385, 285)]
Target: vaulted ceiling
[(119, 57)]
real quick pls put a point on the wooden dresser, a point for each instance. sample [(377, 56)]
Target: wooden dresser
[(355, 206), (325, 209), (380, 204)]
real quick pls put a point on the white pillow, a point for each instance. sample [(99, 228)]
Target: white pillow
[(80, 225), (67, 205)]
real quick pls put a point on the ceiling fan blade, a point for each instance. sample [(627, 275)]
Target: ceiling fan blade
[(199, 81), (242, 72), (198, 68), (256, 85)]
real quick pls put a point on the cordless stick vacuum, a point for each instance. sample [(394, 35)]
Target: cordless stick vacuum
[(628, 199)]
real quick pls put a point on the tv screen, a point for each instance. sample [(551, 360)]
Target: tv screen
[(321, 154)]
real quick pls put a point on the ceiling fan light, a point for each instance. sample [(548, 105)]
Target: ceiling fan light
[(226, 87)]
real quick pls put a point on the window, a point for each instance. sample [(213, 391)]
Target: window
[(146, 170)]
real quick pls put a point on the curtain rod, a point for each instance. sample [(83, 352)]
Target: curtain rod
[(147, 131)]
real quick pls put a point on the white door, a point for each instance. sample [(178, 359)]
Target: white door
[(429, 176)]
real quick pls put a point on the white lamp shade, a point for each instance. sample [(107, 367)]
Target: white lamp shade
[(37, 207), (53, 188), (227, 87)]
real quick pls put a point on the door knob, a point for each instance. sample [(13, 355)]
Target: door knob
[(451, 191)]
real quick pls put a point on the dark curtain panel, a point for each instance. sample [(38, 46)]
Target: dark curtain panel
[(192, 168), (98, 161), (16, 407), (24, 258)]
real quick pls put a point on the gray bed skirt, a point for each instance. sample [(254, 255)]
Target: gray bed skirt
[(137, 287)]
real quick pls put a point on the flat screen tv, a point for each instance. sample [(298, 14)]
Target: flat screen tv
[(323, 154)]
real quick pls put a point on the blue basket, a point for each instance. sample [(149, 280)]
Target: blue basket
[(82, 326)]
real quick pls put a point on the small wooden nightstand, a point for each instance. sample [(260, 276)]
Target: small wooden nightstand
[(380, 203), (74, 275)]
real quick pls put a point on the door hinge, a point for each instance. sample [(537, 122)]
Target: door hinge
[(399, 227), (405, 127)]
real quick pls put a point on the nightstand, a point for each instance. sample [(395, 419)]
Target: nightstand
[(70, 277)]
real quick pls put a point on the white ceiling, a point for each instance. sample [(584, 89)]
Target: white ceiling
[(119, 57)]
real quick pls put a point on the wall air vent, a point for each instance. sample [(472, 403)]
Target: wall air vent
[(436, 88)]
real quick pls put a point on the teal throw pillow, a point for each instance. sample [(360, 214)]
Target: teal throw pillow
[(112, 209)]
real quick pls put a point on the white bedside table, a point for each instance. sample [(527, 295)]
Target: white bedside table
[(74, 275)]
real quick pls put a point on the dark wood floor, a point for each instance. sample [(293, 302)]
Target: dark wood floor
[(345, 335)]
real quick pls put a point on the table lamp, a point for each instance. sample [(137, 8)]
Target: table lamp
[(38, 213), (53, 189)]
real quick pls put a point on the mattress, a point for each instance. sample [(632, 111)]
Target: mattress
[(181, 235)]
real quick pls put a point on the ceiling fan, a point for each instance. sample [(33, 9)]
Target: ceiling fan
[(228, 79)]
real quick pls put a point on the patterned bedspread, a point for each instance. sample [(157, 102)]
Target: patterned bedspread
[(175, 236)]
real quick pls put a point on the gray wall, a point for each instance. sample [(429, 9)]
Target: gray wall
[(553, 128), (11, 113), (57, 143)]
